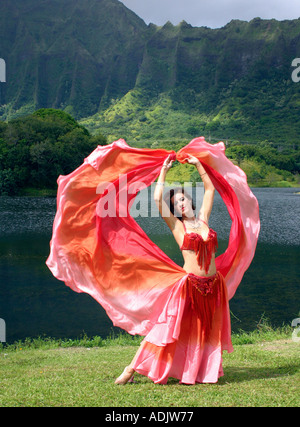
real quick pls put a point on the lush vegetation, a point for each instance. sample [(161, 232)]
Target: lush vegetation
[(161, 123), (264, 165), (262, 371), (69, 54), (153, 86), (148, 82), (36, 149)]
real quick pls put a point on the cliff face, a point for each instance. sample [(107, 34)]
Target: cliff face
[(211, 61), (85, 55), (69, 53)]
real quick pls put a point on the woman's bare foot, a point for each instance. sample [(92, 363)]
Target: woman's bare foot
[(125, 376)]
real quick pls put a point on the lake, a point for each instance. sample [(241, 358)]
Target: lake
[(33, 303)]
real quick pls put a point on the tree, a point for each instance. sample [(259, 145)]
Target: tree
[(36, 149)]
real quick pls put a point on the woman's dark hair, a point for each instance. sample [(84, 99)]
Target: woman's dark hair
[(168, 198)]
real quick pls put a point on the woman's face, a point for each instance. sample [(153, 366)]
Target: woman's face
[(182, 206)]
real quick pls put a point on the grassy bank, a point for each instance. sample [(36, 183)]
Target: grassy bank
[(262, 371)]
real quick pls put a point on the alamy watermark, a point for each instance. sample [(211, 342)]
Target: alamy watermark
[(296, 331), (2, 331), (2, 71), (122, 196), (296, 71)]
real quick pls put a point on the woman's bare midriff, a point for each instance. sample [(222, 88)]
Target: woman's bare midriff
[(191, 264)]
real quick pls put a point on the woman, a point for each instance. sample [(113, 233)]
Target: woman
[(205, 326), (98, 248)]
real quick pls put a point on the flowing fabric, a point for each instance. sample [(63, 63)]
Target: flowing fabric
[(191, 348), (97, 247)]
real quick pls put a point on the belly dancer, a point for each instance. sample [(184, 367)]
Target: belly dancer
[(98, 248), (196, 356)]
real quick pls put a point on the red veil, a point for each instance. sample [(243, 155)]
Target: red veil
[(111, 258)]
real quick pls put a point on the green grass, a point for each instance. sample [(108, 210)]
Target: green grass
[(262, 371)]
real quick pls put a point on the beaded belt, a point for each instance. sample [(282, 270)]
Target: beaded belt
[(204, 285)]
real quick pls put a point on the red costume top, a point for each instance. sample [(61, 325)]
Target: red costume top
[(203, 248)]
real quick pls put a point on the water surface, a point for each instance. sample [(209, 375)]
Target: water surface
[(34, 303)]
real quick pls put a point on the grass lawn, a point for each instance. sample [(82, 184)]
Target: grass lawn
[(262, 371)]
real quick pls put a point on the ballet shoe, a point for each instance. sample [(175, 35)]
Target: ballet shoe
[(125, 377)]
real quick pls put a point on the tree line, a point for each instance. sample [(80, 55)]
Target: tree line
[(287, 160), (36, 149)]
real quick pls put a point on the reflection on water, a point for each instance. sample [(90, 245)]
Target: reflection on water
[(33, 302)]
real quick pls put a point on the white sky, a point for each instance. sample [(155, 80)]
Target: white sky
[(212, 13)]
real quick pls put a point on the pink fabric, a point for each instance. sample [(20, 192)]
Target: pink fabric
[(112, 259), (183, 346)]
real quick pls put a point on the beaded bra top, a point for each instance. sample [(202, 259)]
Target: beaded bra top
[(203, 248)]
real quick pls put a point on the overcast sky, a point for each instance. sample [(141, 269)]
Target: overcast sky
[(212, 13)]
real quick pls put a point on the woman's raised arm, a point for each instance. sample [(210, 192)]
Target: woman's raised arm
[(158, 195), (209, 190)]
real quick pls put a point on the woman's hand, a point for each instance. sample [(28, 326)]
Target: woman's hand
[(168, 163), (192, 160)]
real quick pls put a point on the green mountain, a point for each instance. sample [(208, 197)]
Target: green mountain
[(75, 55), (230, 83), (99, 62)]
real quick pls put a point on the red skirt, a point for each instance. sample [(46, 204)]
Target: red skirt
[(192, 353)]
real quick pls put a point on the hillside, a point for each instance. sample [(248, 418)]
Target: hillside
[(68, 54), (154, 86), (230, 83)]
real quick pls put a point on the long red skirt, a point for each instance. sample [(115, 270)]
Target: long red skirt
[(194, 353)]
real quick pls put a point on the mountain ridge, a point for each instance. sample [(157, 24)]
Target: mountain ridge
[(55, 49), (93, 57)]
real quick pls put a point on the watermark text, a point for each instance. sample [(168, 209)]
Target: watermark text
[(2, 331), (122, 196), (296, 331), (2, 71), (296, 71)]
